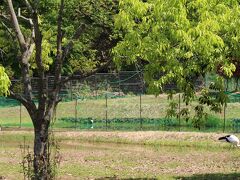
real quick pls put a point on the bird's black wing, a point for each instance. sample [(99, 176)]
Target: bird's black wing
[(224, 138)]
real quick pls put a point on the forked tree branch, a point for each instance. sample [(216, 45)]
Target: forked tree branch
[(31, 107), (5, 17), (26, 51), (25, 18), (16, 26), (59, 44), (29, 6), (87, 74), (29, 40), (53, 98), (8, 30)]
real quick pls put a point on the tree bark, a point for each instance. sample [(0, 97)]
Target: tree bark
[(41, 145)]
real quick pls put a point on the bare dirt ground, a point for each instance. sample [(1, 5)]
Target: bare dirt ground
[(125, 155)]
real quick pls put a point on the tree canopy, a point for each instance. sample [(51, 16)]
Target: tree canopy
[(89, 50), (180, 41), (4, 82)]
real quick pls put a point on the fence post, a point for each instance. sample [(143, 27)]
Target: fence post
[(95, 86), (179, 110), (119, 84), (20, 116), (140, 111), (106, 109), (47, 85), (142, 84), (224, 117), (71, 90), (76, 103)]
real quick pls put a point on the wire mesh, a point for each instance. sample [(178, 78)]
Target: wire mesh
[(116, 101)]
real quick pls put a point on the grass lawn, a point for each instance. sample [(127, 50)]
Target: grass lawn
[(117, 108), (124, 155)]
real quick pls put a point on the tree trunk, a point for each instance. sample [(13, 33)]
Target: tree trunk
[(42, 171)]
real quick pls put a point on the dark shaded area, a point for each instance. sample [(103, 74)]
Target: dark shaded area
[(216, 176), (116, 178)]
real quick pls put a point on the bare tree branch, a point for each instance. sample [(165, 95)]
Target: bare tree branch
[(53, 97), (29, 39), (28, 53), (8, 30), (25, 18), (87, 74), (42, 97), (26, 50), (2, 51), (59, 44), (17, 27), (38, 42), (5, 17), (22, 100), (29, 6)]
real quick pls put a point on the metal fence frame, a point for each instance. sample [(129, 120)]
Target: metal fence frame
[(114, 81)]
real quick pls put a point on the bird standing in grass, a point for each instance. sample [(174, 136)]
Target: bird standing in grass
[(92, 123), (231, 139)]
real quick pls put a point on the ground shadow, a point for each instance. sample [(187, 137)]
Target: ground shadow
[(116, 178), (216, 176)]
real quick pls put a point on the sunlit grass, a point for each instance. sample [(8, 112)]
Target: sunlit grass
[(127, 154), (117, 108)]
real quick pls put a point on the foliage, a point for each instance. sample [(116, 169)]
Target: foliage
[(4, 82), (46, 55), (8, 52), (96, 42), (89, 50), (180, 42)]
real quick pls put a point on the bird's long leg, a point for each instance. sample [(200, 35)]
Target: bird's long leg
[(231, 146)]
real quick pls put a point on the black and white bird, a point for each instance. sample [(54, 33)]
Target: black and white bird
[(231, 139), (91, 123)]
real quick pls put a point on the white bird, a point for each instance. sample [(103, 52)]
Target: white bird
[(92, 123), (231, 139)]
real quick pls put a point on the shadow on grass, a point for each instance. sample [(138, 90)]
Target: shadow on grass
[(116, 178), (216, 176)]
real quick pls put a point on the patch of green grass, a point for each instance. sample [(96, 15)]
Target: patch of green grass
[(11, 168), (6, 137), (121, 155), (78, 170), (87, 171), (118, 111)]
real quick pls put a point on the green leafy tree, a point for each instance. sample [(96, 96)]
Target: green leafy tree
[(4, 82), (54, 37), (180, 41)]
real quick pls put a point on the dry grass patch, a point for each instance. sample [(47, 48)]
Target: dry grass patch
[(159, 155)]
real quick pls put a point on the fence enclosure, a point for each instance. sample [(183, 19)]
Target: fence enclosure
[(114, 101)]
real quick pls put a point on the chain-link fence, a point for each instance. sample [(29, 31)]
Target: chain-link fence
[(117, 101)]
